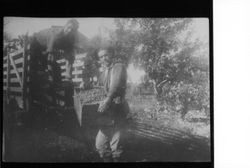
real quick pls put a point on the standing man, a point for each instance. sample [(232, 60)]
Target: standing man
[(43, 64), (114, 108)]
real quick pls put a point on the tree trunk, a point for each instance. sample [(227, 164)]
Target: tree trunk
[(158, 87)]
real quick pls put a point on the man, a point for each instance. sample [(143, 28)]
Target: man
[(45, 71), (46, 42), (115, 108)]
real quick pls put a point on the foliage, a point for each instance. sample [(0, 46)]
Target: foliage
[(187, 96), (91, 67), (123, 40), (178, 66), (13, 44), (158, 40), (6, 37)]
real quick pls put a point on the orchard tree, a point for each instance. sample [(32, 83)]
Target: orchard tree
[(91, 67), (178, 66), (158, 38), (187, 86), (123, 40)]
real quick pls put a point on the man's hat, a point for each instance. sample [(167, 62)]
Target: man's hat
[(74, 22)]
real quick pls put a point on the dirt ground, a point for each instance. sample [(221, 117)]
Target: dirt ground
[(58, 138), (51, 145)]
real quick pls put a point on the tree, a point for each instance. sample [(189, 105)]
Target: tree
[(158, 38), (91, 67), (178, 66), (123, 40)]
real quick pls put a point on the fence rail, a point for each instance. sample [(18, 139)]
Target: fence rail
[(77, 69), (16, 67)]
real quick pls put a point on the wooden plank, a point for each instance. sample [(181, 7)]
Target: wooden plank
[(77, 80), (77, 72), (13, 89), (79, 56), (63, 67), (8, 79), (16, 89), (61, 61), (18, 61), (25, 100), (17, 52), (16, 71), (75, 65), (12, 80), (73, 73), (13, 71)]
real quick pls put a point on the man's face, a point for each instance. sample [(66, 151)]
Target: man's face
[(104, 57), (69, 29)]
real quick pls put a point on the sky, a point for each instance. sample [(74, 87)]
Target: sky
[(89, 27)]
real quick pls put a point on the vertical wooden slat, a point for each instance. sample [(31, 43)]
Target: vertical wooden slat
[(8, 78), (16, 71), (24, 78)]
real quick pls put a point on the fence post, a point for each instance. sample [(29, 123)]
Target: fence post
[(24, 78), (8, 78)]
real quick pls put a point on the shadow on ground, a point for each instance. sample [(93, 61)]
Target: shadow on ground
[(58, 140)]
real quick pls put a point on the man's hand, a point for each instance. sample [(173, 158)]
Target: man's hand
[(104, 105)]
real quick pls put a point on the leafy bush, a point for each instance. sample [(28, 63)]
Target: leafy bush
[(183, 97)]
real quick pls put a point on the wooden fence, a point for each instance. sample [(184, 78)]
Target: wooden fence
[(16, 74), (77, 71), (15, 78)]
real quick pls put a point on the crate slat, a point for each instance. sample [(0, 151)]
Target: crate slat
[(13, 89), (13, 71), (61, 61), (73, 73), (12, 80), (18, 61), (77, 80), (77, 64), (17, 52), (79, 56)]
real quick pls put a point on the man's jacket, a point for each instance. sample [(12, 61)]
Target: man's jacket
[(115, 88), (116, 81)]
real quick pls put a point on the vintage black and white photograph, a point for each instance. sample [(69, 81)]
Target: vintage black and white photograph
[(92, 89)]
